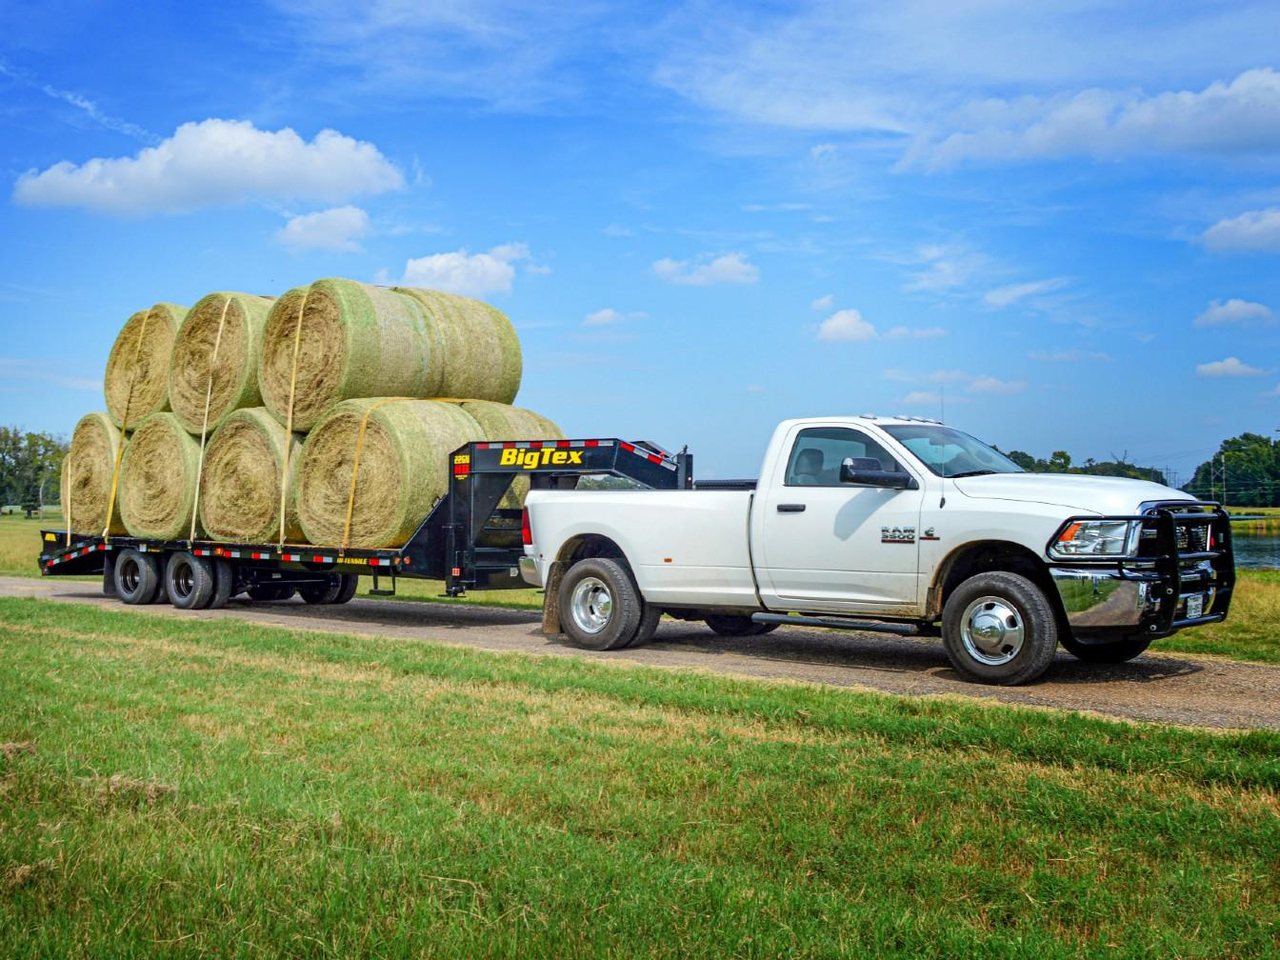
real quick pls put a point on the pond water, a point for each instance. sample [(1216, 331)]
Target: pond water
[(1254, 549)]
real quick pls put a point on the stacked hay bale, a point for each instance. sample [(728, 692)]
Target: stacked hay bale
[(326, 415)]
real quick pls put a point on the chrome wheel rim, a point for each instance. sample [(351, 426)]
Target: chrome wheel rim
[(992, 631), (591, 605)]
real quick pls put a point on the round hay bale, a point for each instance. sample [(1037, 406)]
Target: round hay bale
[(137, 379), (403, 469), (356, 340), (240, 484), (473, 346), (86, 476), (234, 371), (158, 479), (502, 422)]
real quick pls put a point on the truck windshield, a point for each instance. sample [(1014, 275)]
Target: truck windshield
[(950, 453)]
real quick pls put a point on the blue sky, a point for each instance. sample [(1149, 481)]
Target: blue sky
[(702, 218)]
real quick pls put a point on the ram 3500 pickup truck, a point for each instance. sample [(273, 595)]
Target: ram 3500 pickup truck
[(892, 524)]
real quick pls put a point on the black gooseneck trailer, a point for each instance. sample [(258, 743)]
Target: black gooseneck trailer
[(467, 540)]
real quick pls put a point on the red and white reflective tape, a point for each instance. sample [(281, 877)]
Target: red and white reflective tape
[(540, 444), (651, 457)]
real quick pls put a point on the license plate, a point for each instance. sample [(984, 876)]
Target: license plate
[(1195, 605)]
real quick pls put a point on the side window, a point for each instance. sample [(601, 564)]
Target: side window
[(818, 452)]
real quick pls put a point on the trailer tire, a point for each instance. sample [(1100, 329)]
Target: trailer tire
[(737, 625), (224, 584), (137, 577), (339, 588), (272, 591), (191, 581), (600, 606), (999, 628), (1112, 651)]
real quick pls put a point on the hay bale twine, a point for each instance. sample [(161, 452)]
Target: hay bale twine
[(234, 371), (502, 422), (87, 470), (158, 479), (472, 345), (240, 483), (137, 379), (356, 340), (403, 469)]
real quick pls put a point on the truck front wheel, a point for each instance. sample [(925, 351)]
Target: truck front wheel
[(600, 605), (999, 628)]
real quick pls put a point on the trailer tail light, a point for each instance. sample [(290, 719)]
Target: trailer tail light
[(526, 532)]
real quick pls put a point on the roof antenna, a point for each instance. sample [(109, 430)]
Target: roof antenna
[(942, 402)]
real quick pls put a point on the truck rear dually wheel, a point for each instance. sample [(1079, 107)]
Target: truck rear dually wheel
[(1111, 651), (737, 625), (600, 605), (999, 628)]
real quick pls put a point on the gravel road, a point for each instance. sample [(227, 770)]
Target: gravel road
[(1169, 688)]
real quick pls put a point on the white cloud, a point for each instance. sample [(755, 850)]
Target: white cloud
[(39, 371), (914, 333), (846, 325), (614, 230), (920, 398), (338, 229), (1234, 311), (1255, 230), (785, 207), (999, 387), (215, 163), (1273, 392), (1230, 367), (80, 102), (823, 303), (823, 152), (755, 388), (1011, 294), (1239, 116), (945, 266), (1069, 356), (466, 273), (707, 269), (602, 318)]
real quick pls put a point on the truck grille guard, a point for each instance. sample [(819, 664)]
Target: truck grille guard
[(1184, 550)]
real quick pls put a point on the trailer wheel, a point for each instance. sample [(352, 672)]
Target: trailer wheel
[(339, 588), (137, 577), (1113, 651), (272, 591), (191, 581), (600, 607), (224, 583), (736, 625), (999, 628)]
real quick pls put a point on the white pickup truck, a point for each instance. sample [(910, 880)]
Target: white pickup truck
[(891, 524)]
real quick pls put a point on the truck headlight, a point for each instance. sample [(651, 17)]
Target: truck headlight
[(1095, 538)]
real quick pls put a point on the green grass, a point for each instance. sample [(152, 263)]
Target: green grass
[(171, 789)]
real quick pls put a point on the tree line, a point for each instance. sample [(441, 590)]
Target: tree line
[(29, 468), (1060, 462), (1245, 471)]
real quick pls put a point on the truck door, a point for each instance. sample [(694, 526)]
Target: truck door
[(835, 546)]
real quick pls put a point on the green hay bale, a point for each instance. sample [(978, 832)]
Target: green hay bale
[(87, 470), (356, 341), (158, 480), (234, 373), (473, 346), (502, 422), (359, 341), (240, 483), (403, 469), (137, 378)]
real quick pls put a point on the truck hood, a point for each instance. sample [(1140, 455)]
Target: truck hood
[(1106, 496)]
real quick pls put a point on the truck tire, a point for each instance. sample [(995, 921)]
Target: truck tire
[(648, 625), (737, 625), (1112, 651), (272, 591), (600, 606), (224, 583), (999, 628), (339, 588), (191, 581), (137, 577)]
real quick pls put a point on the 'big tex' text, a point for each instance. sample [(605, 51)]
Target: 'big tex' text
[(547, 456)]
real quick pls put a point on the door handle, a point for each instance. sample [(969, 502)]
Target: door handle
[(791, 508)]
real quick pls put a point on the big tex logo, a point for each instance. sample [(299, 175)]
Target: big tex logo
[(547, 456)]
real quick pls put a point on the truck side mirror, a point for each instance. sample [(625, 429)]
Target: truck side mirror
[(868, 472)]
